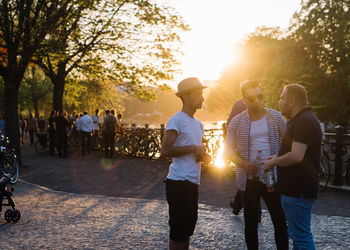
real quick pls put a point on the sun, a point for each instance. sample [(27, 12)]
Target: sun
[(208, 59), (216, 27)]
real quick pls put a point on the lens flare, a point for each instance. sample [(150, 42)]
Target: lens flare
[(106, 164)]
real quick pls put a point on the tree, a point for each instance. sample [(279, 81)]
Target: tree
[(91, 94), (323, 27), (132, 43), (270, 57), (35, 88), (24, 24)]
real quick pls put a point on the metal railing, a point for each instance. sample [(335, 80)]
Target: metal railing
[(137, 142)]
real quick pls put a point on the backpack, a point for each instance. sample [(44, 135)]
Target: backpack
[(110, 125)]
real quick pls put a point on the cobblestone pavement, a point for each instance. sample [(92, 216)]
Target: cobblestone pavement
[(60, 220), (93, 203)]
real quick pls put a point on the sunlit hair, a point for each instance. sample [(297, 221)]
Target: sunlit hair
[(248, 84), (297, 92)]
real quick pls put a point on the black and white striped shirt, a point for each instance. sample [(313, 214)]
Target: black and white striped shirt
[(238, 138)]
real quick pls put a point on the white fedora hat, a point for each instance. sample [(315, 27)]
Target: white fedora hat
[(188, 85)]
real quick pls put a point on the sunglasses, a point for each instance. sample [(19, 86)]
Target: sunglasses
[(254, 97)]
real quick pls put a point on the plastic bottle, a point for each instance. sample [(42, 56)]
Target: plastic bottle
[(270, 180)]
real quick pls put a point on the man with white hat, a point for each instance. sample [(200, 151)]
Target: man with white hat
[(183, 142)]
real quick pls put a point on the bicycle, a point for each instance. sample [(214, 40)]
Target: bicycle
[(9, 164), (346, 170), (9, 173), (325, 170), (149, 144)]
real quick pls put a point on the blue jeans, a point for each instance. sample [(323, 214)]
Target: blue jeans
[(298, 215)]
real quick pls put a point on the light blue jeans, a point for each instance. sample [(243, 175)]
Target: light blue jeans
[(298, 215)]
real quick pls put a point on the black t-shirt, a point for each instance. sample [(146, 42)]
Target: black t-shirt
[(51, 121), (61, 125), (303, 178)]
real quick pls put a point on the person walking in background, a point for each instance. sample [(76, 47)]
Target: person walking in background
[(22, 128), (32, 128), (237, 108), (256, 133), (85, 127), (109, 132), (2, 125), (73, 115), (52, 132), (298, 164), (95, 123), (61, 125), (113, 114), (120, 127), (75, 131), (41, 125), (183, 142)]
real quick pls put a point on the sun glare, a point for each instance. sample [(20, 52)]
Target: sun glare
[(219, 161), (209, 46)]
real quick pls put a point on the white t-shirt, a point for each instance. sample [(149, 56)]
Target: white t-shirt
[(77, 124), (85, 124), (95, 121), (259, 140), (189, 132)]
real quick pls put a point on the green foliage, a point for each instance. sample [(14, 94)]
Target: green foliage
[(323, 27), (315, 52), (91, 94), (23, 27), (267, 57), (133, 43), (35, 92)]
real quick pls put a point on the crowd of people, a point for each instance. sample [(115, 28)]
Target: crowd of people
[(82, 129)]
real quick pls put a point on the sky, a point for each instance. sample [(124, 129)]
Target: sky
[(217, 25)]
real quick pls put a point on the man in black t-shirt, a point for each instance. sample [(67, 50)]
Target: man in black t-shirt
[(61, 130), (52, 131), (298, 164)]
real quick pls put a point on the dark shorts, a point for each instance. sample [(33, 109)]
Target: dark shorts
[(182, 197)]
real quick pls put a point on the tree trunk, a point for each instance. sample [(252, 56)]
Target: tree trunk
[(58, 91), (58, 81), (36, 108), (11, 116)]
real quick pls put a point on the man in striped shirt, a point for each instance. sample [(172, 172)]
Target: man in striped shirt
[(256, 129)]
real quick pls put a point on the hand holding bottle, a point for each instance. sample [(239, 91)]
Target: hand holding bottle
[(251, 167), (199, 152)]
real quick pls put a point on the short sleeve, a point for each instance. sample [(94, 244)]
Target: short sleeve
[(201, 126), (172, 124)]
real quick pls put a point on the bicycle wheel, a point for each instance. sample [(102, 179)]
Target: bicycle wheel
[(347, 173), (324, 173), (124, 147), (10, 168), (39, 148), (152, 149)]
